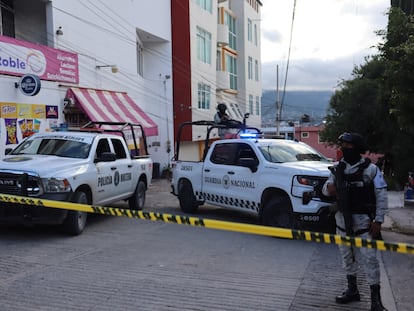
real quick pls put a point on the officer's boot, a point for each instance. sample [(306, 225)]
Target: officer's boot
[(351, 293), (376, 303)]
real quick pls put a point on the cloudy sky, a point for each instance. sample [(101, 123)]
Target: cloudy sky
[(329, 38)]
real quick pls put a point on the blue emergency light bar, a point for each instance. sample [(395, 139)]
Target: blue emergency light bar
[(249, 135)]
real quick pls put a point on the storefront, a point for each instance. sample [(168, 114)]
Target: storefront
[(38, 93)]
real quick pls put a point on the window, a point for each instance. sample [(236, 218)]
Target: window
[(203, 45), (230, 21), (250, 68), (203, 96), (257, 105), (231, 64), (320, 141), (119, 148), (249, 30), (256, 70), (224, 154), (205, 4), (103, 146), (7, 18), (140, 59), (304, 135), (255, 34), (245, 152), (251, 104)]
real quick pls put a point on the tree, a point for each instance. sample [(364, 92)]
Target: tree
[(358, 105), (378, 101)]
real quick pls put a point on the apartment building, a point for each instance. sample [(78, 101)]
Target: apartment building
[(216, 59), (63, 63)]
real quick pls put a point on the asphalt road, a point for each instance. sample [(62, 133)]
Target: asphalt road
[(128, 264)]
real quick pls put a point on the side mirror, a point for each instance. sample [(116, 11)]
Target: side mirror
[(248, 162), (106, 157)]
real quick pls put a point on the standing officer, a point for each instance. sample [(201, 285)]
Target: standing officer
[(366, 205), (221, 117)]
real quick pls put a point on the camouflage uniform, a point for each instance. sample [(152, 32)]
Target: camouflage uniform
[(361, 222)]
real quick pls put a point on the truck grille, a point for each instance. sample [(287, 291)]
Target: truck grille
[(318, 190), (20, 183)]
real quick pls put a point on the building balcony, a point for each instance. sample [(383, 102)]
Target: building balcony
[(222, 34), (223, 80)]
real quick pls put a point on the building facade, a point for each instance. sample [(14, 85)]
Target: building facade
[(216, 59), (63, 63)]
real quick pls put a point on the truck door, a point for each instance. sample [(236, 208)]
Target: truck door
[(104, 181), (226, 182), (126, 174)]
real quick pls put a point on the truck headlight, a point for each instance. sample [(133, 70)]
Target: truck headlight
[(56, 185), (314, 185), (308, 181)]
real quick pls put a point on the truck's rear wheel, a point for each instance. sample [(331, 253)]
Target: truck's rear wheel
[(188, 202), (277, 212), (75, 221), (137, 201)]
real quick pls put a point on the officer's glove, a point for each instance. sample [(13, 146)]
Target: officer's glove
[(375, 230)]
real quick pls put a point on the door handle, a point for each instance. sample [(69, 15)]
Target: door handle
[(230, 172), (207, 170), (113, 168), (130, 165)]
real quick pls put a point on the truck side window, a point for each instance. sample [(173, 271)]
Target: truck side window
[(103, 146), (245, 152), (119, 148), (224, 154)]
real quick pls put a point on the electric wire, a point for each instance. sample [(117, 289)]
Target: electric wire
[(288, 59)]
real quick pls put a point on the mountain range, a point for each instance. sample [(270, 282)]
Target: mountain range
[(295, 105)]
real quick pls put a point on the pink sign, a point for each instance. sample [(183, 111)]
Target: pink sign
[(20, 57)]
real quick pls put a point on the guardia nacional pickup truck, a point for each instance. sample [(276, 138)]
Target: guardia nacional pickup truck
[(278, 180), (92, 165)]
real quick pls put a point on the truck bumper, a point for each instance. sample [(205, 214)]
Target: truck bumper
[(322, 221), (11, 213)]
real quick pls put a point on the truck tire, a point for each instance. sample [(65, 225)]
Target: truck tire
[(137, 201), (188, 202), (277, 212), (75, 221)]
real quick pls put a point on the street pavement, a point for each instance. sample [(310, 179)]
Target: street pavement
[(396, 269)]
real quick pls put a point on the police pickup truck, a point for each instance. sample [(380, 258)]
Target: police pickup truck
[(92, 165), (278, 180)]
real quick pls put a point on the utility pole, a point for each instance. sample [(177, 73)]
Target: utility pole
[(277, 102)]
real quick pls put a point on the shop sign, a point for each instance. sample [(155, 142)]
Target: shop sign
[(29, 84)]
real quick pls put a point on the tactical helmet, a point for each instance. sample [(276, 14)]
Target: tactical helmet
[(354, 138), (221, 107)]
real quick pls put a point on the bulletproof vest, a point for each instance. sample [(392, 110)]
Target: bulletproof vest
[(360, 192)]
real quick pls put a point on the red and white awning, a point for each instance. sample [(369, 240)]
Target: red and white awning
[(109, 106)]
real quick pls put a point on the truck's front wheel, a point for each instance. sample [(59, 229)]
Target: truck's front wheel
[(277, 212), (137, 200), (75, 221), (188, 202)]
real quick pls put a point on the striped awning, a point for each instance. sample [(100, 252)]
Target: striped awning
[(109, 106)]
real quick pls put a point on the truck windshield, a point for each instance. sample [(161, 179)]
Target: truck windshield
[(287, 151), (54, 146)]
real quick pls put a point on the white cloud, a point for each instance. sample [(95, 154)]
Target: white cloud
[(329, 38)]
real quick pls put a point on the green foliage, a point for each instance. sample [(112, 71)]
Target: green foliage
[(378, 100)]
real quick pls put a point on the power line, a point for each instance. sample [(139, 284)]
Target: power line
[(288, 58)]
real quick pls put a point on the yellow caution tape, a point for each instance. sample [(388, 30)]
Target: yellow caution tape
[(318, 237)]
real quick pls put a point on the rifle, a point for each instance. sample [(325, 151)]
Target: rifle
[(342, 196)]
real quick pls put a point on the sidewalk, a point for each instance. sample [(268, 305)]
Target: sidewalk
[(400, 218)]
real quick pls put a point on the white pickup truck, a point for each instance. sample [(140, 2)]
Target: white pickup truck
[(93, 165), (278, 180)]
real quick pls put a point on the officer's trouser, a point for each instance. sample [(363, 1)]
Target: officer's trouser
[(352, 257)]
